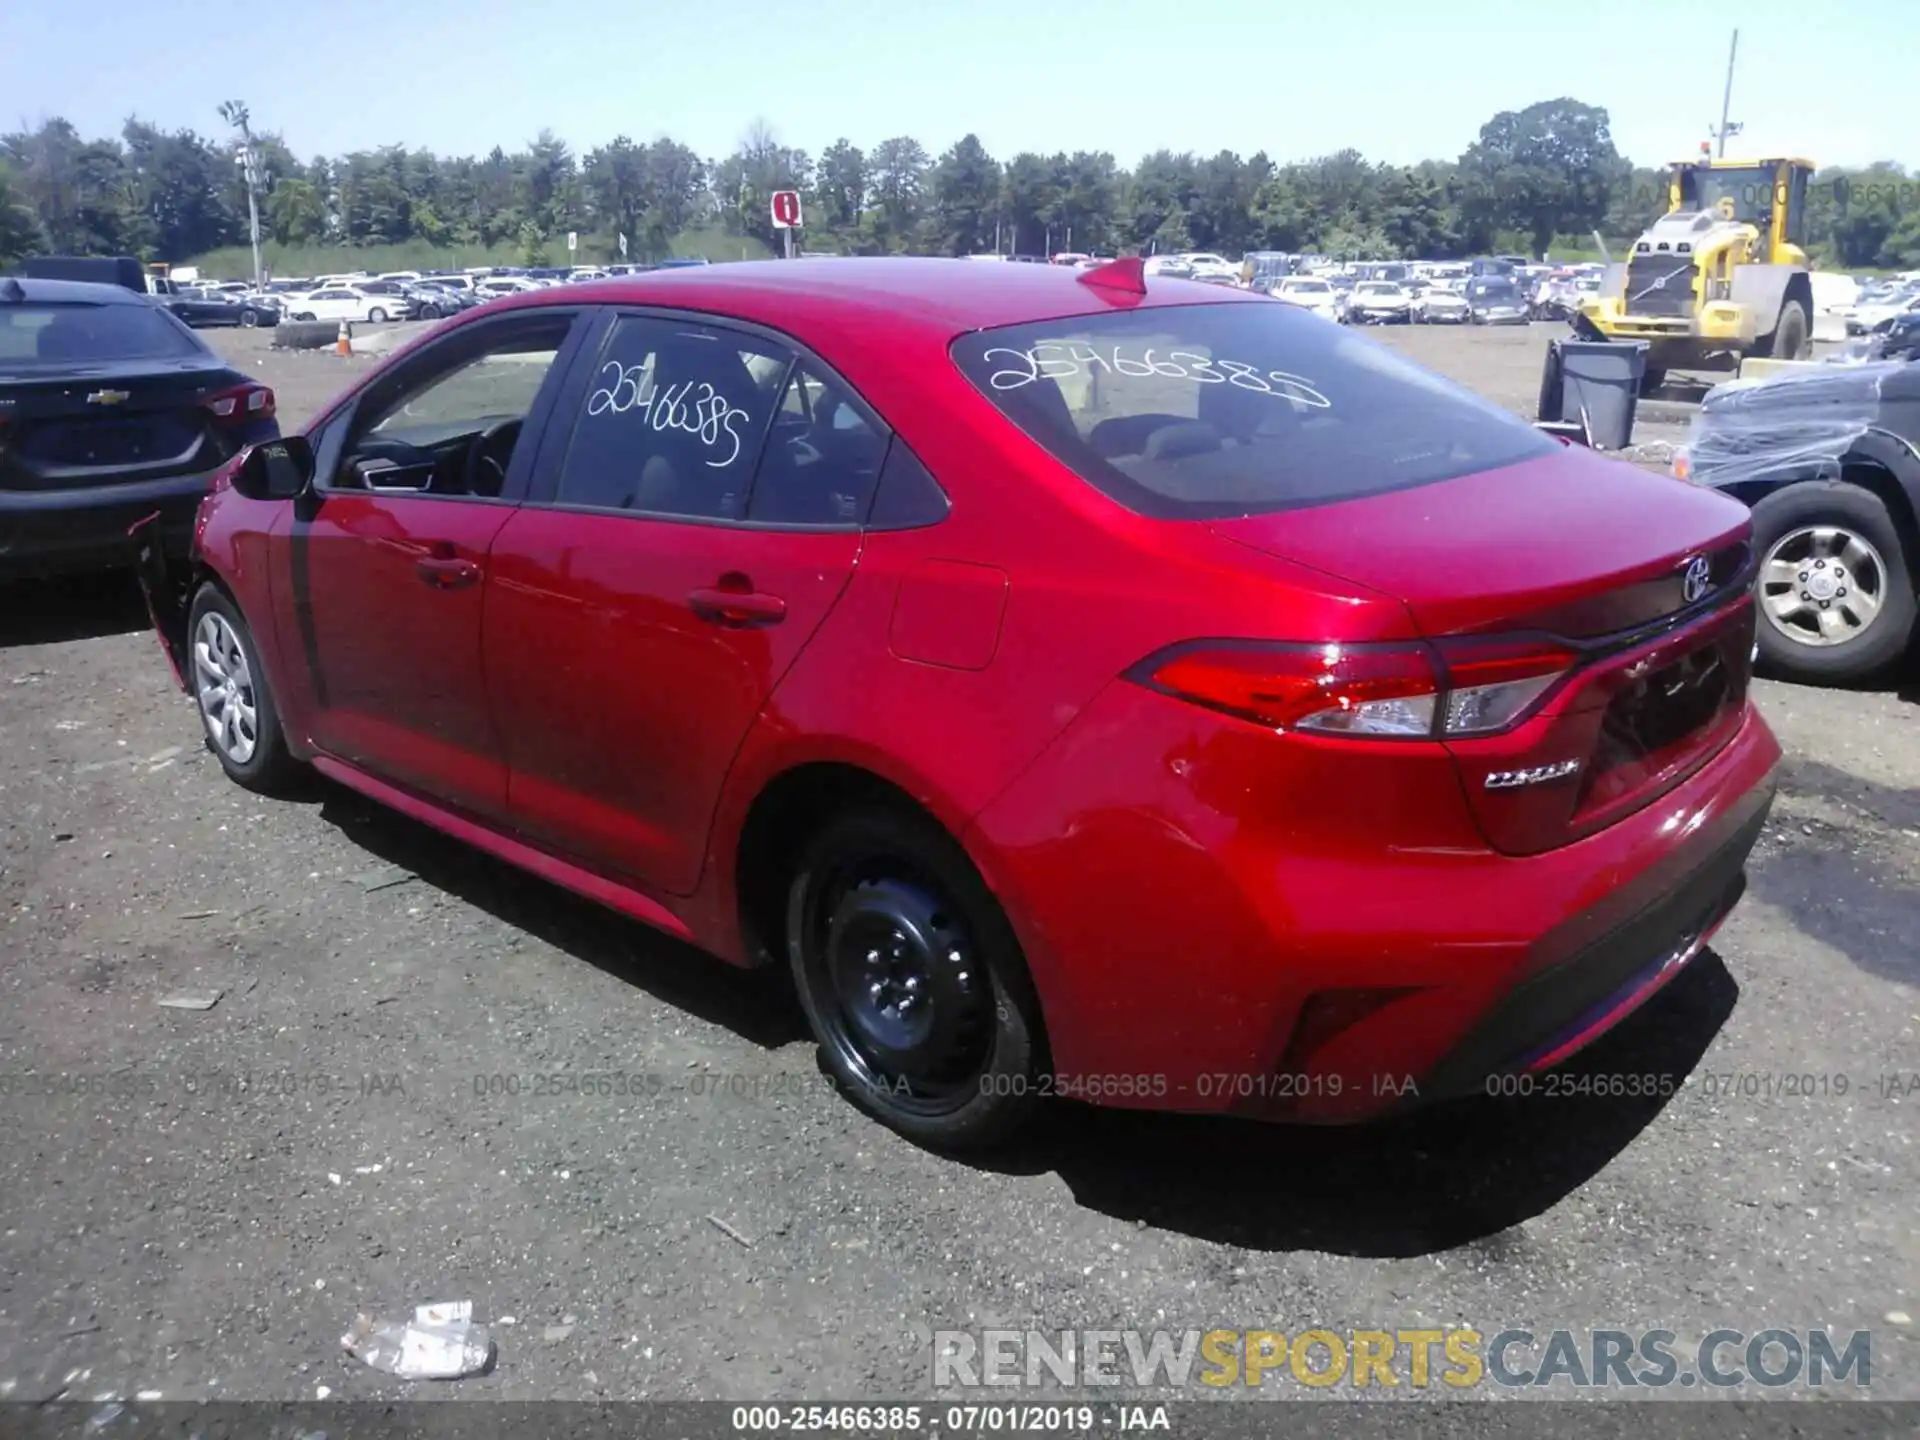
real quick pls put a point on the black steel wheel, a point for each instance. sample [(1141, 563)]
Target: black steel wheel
[(912, 981)]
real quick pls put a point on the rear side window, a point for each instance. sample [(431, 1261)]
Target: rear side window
[(822, 458), (674, 420), (36, 337), (1212, 411)]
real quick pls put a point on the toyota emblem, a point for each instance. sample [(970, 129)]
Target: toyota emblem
[(1696, 582)]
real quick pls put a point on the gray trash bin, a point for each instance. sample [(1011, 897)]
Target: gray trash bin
[(1602, 379)]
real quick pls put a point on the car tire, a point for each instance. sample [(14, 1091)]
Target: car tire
[(1784, 526), (248, 319), (913, 982), (1790, 339), (376, 316), (227, 682)]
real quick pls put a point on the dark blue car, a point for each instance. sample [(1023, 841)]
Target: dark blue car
[(110, 409)]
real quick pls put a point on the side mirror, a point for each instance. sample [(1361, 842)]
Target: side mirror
[(277, 470)]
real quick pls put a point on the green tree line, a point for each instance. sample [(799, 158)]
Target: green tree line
[(1543, 178)]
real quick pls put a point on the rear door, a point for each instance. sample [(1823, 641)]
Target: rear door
[(697, 514)]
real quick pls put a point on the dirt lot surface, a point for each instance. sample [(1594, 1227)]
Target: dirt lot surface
[(198, 1202)]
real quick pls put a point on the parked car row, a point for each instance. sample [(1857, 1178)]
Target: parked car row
[(378, 299), (1878, 306), (1492, 300)]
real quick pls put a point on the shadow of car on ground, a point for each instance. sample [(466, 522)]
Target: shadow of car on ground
[(1462, 1173)]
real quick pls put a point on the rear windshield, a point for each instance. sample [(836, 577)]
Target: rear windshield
[(1212, 411), (36, 336)]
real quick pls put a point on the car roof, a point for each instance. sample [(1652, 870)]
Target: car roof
[(75, 292), (939, 298)]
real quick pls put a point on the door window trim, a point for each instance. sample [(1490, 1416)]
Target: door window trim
[(533, 430), (558, 440)]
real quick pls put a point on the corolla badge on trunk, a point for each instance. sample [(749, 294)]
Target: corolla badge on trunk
[(1697, 580), (1534, 775)]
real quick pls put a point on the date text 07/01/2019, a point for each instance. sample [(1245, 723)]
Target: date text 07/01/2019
[(968, 1419)]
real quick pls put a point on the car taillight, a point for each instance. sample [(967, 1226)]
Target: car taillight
[(1493, 684), (242, 403), (1414, 691)]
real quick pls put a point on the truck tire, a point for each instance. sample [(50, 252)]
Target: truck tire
[(1791, 336), (1789, 633), (1652, 382)]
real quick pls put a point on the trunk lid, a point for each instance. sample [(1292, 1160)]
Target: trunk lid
[(1570, 543), (1643, 577), (100, 424)]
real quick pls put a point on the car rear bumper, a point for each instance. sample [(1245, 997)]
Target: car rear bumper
[(65, 532), (1213, 930)]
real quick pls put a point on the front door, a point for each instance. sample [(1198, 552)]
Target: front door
[(644, 604), (388, 558)]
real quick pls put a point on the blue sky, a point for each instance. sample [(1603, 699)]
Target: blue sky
[(1398, 81)]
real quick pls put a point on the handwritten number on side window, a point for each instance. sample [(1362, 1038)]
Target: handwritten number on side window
[(1058, 360), (693, 407)]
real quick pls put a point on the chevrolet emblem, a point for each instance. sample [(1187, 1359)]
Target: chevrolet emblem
[(108, 397)]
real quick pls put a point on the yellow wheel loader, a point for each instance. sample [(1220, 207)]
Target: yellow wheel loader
[(1723, 274)]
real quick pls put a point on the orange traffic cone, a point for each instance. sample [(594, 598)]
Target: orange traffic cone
[(343, 345)]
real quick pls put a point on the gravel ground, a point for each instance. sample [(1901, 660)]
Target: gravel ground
[(735, 1233)]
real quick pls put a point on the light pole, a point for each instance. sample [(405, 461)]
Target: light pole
[(234, 112), (1726, 101)]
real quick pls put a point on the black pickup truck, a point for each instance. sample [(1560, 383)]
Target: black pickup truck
[(1828, 457)]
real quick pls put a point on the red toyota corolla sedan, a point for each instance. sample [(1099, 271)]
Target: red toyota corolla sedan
[(1086, 684)]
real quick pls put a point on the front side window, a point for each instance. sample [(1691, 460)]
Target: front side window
[(1213, 411), (674, 419), (448, 423)]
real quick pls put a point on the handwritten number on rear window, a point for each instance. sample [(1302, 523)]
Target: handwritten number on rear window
[(1060, 360)]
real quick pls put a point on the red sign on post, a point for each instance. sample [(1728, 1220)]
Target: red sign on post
[(786, 209)]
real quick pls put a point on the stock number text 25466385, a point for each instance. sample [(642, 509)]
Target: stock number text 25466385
[(692, 406), (1060, 359)]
